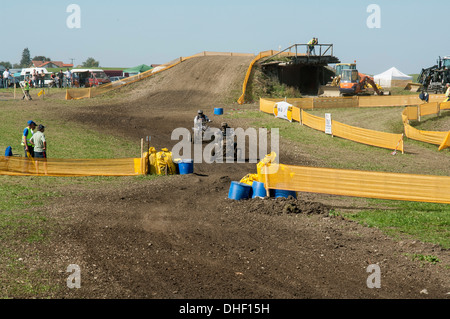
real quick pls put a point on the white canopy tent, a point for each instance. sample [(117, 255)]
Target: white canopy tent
[(392, 77)]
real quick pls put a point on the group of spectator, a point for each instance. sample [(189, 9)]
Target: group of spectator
[(58, 79), (37, 79), (62, 79)]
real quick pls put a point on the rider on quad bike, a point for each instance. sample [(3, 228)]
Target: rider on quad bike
[(226, 138), (200, 126)]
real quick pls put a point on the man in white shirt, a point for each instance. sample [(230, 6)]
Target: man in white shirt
[(6, 75), (68, 75)]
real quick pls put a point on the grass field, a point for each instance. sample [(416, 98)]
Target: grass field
[(65, 139)]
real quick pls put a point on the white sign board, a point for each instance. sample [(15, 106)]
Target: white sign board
[(328, 123), (283, 108)]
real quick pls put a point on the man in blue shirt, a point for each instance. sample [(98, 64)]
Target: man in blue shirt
[(26, 137)]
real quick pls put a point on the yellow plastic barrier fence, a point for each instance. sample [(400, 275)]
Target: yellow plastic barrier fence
[(313, 121), (413, 113), (369, 137), (81, 93), (429, 108), (356, 134), (11, 165), (383, 185), (395, 100), (365, 136), (357, 101)]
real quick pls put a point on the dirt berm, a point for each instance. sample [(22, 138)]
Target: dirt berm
[(181, 237)]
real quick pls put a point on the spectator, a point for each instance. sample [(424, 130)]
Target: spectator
[(53, 82), (41, 79), (6, 75), (34, 79), (39, 142), (68, 78), (1, 80), (61, 78), (26, 136), (424, 96), (311, 45)]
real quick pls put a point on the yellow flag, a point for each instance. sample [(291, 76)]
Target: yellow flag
[(41, 92)]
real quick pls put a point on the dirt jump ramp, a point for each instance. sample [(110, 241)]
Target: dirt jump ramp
[(199, 81)]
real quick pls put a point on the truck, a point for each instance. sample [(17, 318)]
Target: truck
[(89, 77), (434, 79)]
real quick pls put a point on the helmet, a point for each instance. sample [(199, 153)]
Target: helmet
[(200, 112)]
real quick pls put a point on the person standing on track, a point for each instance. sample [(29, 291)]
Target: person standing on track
[(26, 137), (26, 90), (39, 142)]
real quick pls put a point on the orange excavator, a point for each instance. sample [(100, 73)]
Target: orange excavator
[(354, 83)]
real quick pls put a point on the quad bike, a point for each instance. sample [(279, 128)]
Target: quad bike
[(201, 132), (220, 146)]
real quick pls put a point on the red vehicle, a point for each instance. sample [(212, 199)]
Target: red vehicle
[(89, 77)]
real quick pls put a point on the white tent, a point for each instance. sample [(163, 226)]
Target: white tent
[(392, 77)]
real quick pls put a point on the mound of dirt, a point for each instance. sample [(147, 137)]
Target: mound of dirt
[(279, 206), (202, 81)]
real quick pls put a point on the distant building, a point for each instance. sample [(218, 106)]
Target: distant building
[(51, 64)]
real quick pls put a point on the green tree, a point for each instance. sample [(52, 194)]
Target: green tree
[(90, 63), (6, 64), (41, 58), (25, 62)]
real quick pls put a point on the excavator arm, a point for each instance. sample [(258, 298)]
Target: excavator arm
[(368, 80)]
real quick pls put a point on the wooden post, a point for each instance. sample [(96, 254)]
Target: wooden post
[(418, 112), (266, 180), (142, 156), (403, 145)]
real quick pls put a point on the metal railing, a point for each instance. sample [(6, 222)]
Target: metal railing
[(322, 49)]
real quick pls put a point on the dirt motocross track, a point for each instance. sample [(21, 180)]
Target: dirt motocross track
[(181, 237)]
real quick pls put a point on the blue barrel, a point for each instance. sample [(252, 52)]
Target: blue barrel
[(284, 193), (258, 189), (186, 166), (218, 111), (8, 151), (239, 191)]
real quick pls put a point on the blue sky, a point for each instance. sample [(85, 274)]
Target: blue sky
[(128, 33)]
